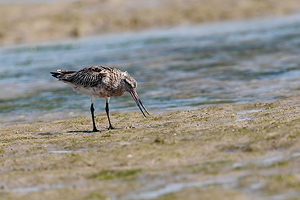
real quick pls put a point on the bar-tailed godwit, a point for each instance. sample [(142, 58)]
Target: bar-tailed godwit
[(101, 82)]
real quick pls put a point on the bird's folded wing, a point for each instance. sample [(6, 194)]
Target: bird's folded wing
[(86, 77)]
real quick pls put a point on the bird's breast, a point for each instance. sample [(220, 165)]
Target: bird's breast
[(102, 91)]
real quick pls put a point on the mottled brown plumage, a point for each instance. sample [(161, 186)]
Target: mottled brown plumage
[(101, 82)]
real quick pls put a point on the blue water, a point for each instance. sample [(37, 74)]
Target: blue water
[(186, 67)]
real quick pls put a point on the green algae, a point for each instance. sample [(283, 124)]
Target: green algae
[(115, 174)]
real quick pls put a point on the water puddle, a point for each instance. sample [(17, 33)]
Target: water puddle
[(296, 154), (291, 195), (267, 162), (245, 112), (37, 188), (277, 159), (272, 160), (61, 151), (243, 119), (69, 151), (249, 111), (176, 187)]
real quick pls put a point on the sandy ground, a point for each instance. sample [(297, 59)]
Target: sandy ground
[(32, 22), (249, 151)]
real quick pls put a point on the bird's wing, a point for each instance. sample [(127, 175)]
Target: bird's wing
[(87, 77)]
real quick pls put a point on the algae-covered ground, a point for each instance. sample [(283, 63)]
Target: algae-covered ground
[(248, 151), (31, 21)]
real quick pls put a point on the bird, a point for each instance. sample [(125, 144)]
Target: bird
[(101, 82)]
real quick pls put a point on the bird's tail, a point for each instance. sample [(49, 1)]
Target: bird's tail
[(60, 74)]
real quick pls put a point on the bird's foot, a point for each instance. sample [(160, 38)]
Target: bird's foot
[(110, 127), (95, 130)]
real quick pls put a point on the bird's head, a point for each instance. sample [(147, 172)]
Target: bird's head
[(130, 83), (130, 86)]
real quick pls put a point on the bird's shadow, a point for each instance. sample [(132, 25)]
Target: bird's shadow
[(46, 134), (99, 131)]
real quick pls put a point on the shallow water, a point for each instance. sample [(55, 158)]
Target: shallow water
[(186, 67)]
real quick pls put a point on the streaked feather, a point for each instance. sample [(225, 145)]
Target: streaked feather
[(87, 77)]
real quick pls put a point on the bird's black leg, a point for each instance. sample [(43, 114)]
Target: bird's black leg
[(94, 125), (107, 112)]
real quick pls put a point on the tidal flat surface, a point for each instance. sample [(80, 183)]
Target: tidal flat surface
[(206, 153)]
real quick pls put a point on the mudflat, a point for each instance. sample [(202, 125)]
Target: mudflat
[(245, 151)]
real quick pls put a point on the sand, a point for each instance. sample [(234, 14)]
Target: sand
[(33, 22)]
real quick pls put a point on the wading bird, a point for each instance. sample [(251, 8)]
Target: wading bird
[(101, 82)]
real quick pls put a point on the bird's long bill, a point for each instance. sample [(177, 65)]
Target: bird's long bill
[(139, 102)]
